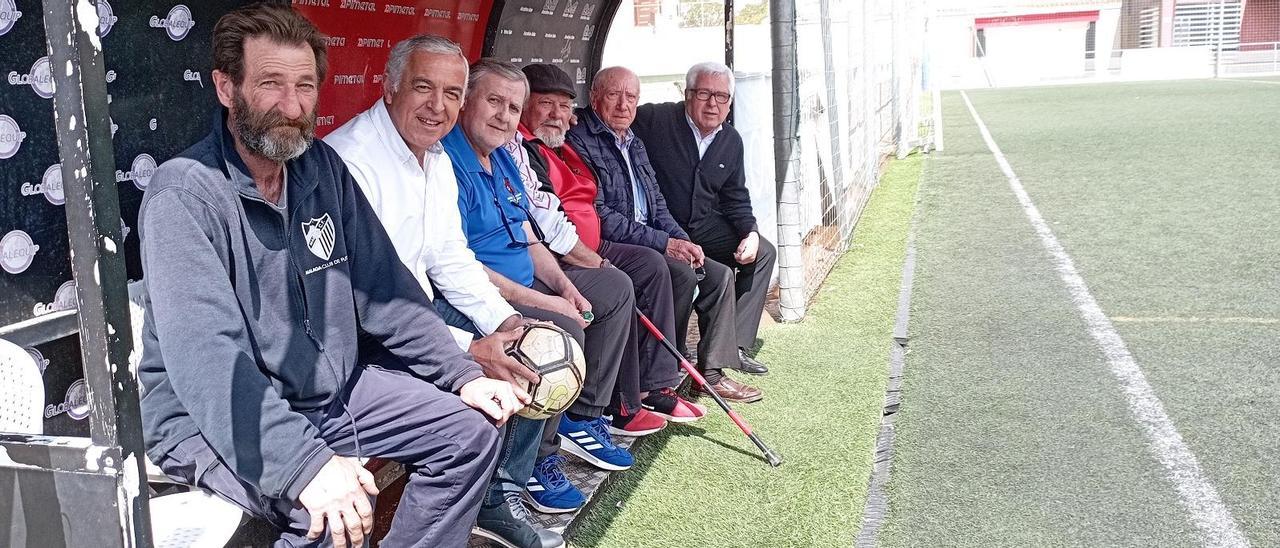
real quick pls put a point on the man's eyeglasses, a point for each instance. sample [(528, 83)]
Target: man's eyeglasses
[(514, 198), (705, 94)]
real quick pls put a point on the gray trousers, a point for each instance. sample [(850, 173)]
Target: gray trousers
[(613, 304), (448, 450), (751, 281), (717, 345), (651, 281)]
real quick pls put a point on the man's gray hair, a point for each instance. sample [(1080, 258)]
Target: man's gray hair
[(403, 50), (709, 67), (502, 69), (606, 74)]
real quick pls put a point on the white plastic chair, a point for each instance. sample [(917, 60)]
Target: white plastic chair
[(196, 518), (21, 391)]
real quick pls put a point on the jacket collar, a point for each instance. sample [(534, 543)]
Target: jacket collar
[(594, 124), (238, 173)]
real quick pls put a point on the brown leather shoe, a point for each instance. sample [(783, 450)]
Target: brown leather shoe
[(735, 391)]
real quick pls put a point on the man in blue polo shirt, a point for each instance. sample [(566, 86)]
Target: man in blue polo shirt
[(496, 222)]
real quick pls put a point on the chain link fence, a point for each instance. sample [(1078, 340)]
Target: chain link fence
[(860, 71)]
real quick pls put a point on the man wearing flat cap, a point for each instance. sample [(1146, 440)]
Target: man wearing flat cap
[(562, 193)]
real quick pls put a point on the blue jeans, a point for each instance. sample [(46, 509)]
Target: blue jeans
[(520, 437)]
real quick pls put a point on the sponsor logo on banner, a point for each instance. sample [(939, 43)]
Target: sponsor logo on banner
[(111, 76), (124, 230), (40, 78), (320, 3), (468, 16), (348, 79), (39, 358), (106, 18), (358, 5), (549, 8), (570, 7), (322, 121), (63, 299), (50, 186), (401, 10), (17, 252), (192, 76), (11, 137), (564, 51), (526, 9), (319, 235), (587, 32), (9, 16), (587, 11), (75, 404), (177, 24), (581, 76), (372, 42), (144, 166), (335, 41), (437, 14)]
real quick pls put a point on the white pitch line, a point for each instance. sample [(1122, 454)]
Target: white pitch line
[(1196, 319), (1197, 495), (1272, 82)]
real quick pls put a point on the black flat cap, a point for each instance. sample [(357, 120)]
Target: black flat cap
[(548, 78)]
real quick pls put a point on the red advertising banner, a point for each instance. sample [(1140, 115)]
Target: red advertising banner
[(361, 35)]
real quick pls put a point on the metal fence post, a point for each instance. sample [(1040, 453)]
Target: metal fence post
[(93, 225)]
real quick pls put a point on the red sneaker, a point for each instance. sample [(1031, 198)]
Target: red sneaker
[(666, 403), (640, 423)]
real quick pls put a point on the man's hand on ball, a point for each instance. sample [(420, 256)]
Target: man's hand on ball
[(491, 353), (497, 399)]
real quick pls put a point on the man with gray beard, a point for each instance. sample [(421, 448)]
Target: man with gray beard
[(265, 266)]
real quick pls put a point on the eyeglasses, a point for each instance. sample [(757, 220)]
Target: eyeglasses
[(705, 94), (514, 198)]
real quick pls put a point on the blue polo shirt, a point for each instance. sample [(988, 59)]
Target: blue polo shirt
[(481, 197)]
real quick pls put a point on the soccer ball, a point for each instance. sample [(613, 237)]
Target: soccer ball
[(556, 357)]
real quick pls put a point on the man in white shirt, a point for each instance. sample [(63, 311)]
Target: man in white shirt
[(393, 152)]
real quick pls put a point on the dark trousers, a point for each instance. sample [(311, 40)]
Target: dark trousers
[(521, 437), (717, 343), (651, 281), (604, 342), (719, 241), (448, 450)]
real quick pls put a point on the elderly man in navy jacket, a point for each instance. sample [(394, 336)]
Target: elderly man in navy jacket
[(634, 211), (699, 164)]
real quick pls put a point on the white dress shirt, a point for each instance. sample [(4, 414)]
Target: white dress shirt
[(417, 204), (703, 142), (558, 231)]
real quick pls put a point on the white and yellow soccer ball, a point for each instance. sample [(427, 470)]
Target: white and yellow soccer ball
[(556, 357)]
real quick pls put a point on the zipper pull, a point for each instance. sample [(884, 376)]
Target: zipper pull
[(306, 325)]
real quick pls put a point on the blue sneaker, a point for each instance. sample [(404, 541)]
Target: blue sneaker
[(549, 491), (590, 441)]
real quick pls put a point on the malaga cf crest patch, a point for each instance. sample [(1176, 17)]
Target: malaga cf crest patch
[(319, 235)]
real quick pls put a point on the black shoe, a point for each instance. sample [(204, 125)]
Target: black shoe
[(749, 365), (508, 525)]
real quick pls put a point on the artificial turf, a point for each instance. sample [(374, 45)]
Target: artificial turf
[(705, 484), (1012, 432)]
